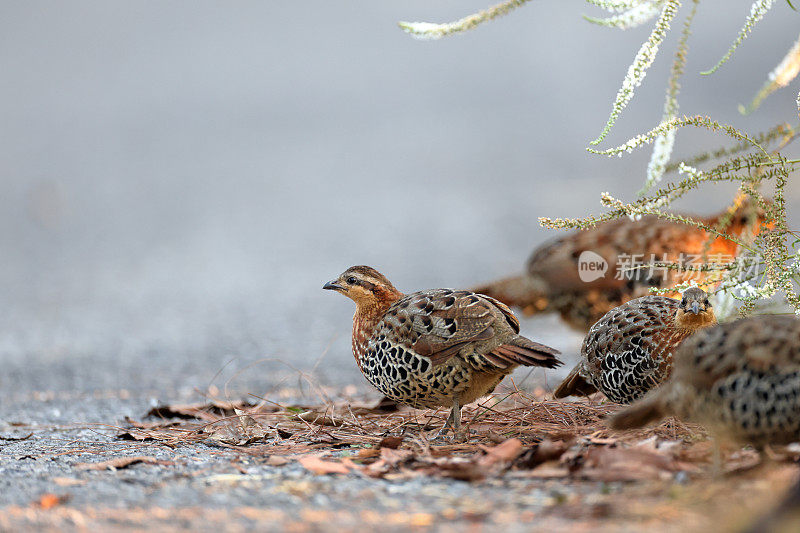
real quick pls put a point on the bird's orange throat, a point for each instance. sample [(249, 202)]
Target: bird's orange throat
[(372, 308), (368, 314), (693, 321)]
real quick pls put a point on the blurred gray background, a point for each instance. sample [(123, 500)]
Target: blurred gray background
[(179, 178)]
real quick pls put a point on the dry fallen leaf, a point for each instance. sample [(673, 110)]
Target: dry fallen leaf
[(547, 472), (543, 452), (320, 467), (245, 430), (211, 412), (367, 453), (395, 457), (121, 462), (481, 465), (459, 468), (150, 425), (12, 439), (321, 419), (390, 442), (68, 481), (389, 459), (135, 436), (628, 464), (49, 500), (277, 460), (504, 452), (248, 424)]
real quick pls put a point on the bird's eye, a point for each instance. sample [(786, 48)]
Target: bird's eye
[(683, 303), (351, 280), (706, 303)]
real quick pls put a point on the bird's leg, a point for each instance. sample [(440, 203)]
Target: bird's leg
[(453, 421), (455, 416)]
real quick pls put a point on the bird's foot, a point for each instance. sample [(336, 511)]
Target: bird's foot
[(449, 435), (460, 435), (442, 434)]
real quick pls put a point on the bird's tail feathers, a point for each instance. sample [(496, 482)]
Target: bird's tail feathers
[(574, 385), (525, 352)]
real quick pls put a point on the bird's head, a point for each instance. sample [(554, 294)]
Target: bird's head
[(366, 286), (695, 311)]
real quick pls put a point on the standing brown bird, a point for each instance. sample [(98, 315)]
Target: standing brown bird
[(741, 380), (629, 350), (552, 282), (434, 348)]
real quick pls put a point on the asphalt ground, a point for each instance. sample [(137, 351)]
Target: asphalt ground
[(178, 181)]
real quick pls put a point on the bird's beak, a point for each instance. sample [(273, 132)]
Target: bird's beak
[(332, 286), (695, 308)]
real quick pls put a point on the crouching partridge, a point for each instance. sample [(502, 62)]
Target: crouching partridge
[(434, 348), (552, 281), (741, 380), (629, 350)]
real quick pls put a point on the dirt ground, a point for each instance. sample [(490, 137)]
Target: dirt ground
[(279, 465)]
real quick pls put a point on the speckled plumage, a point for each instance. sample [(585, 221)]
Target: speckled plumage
[(551, 282), (432, 345), (629, 351), (741, 380), (434, 348)]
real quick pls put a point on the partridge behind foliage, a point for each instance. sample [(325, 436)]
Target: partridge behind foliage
[(741, 380), (434, 348), (629, 350), (551, 282)]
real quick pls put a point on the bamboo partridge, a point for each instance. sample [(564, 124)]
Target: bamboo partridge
[(741, 380), (552, 281), (629, 350), (434, 348)]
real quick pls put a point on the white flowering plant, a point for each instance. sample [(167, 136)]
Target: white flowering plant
[(769, 264)]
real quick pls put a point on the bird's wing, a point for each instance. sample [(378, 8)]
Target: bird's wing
[(639, 330), (438, 324)]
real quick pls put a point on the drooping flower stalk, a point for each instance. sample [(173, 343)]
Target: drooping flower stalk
[(432, 31)]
